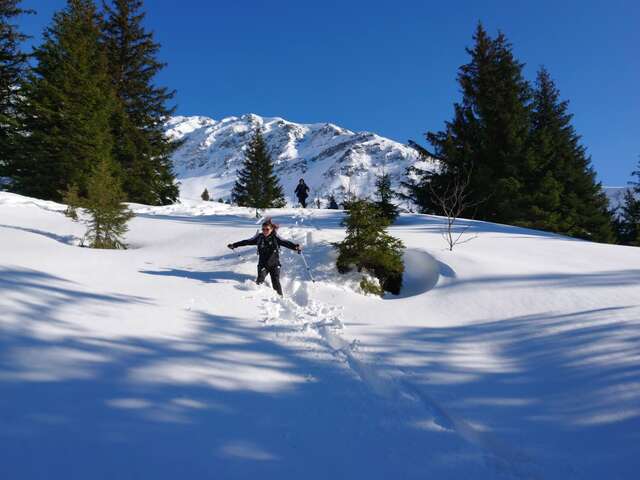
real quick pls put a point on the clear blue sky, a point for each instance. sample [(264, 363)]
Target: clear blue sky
[(390, 66)]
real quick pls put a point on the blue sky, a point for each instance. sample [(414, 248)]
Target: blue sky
[(390, 67)]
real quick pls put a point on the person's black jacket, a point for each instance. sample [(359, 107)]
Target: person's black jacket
[(302, 190), (268, 248)]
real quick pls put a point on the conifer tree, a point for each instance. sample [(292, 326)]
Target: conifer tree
[(205, 195), (71, 198), (562, 192), (68, 106), (333, 205), (142, 148), (108, 216), (369, 248), (388, 210), (488, 134), (627, 224), (13, 65), (257, 185)]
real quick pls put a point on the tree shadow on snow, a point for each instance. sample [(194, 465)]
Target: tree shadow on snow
[(223, 401), (551, 384), (66, 239), (206, 277)]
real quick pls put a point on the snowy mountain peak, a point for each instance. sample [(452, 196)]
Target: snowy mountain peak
[(332, 159)]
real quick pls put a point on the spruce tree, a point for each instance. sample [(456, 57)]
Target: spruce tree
[(369, 248), (562, 192), (142, 148), (13, 65), (388, 210), (108, 216), (488, 134), (68, 106), (257, 185), (205, 195), (627, 223)]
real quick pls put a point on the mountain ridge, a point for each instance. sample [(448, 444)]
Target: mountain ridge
[(332, 159)]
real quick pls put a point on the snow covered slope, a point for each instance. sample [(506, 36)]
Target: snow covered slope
[(330, 158), (517, 355), (615, 195)]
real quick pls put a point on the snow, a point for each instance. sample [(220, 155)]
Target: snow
[(517, 355), (615, 196), (332, 160)]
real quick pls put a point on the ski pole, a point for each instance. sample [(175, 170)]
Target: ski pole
[(307, 267), (234, 250)]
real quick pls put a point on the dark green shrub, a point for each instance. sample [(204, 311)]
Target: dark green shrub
[(368, 247)]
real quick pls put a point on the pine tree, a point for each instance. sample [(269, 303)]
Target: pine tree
[(68, 106), (562, 192), (13, 65), (205, 195), (257, 186), (71, 198), (488, 134), (627, 224), (333, 205), (368, 248), (142, 148), (388, 210), (108, 216)]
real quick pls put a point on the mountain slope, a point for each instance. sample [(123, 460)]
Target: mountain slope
[(515, 356), (330, 158)]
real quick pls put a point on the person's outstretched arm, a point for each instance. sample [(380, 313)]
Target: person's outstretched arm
[(249, 241), (290, 245)]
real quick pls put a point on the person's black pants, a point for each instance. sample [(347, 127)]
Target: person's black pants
[(274, 272), (303, 201)]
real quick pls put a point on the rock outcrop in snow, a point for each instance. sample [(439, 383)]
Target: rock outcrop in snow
[(333, 160)]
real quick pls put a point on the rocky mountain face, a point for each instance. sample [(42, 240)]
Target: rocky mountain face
[(331, 159)]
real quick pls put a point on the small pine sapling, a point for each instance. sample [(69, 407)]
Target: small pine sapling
[(369, 249), (108, 215)]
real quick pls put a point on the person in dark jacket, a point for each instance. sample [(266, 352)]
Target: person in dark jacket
[(269, 244), (302, 192)]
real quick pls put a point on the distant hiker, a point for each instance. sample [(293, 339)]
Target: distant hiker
[(268, 243), (302, 192)]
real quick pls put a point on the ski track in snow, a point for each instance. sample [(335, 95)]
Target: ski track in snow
[(322, 320)]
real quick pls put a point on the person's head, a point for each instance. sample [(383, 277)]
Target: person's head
[(268, 227), (301, 180)]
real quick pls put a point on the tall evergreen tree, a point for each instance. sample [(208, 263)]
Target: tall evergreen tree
[(628, 221), (142, 148), (562, 192), (257, 185), (13, 64), (488, 134), (68, 106), (388, 210)]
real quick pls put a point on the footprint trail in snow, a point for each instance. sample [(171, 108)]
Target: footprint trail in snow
[(306, 317)]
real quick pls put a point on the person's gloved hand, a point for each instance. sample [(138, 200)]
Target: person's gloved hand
[(298, 248), (230, 246)]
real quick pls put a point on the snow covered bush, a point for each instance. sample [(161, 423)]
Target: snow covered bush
[(370, 249)]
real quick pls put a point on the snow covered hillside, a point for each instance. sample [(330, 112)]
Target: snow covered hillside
[(517, 355), (615, 195), (330, 158)]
